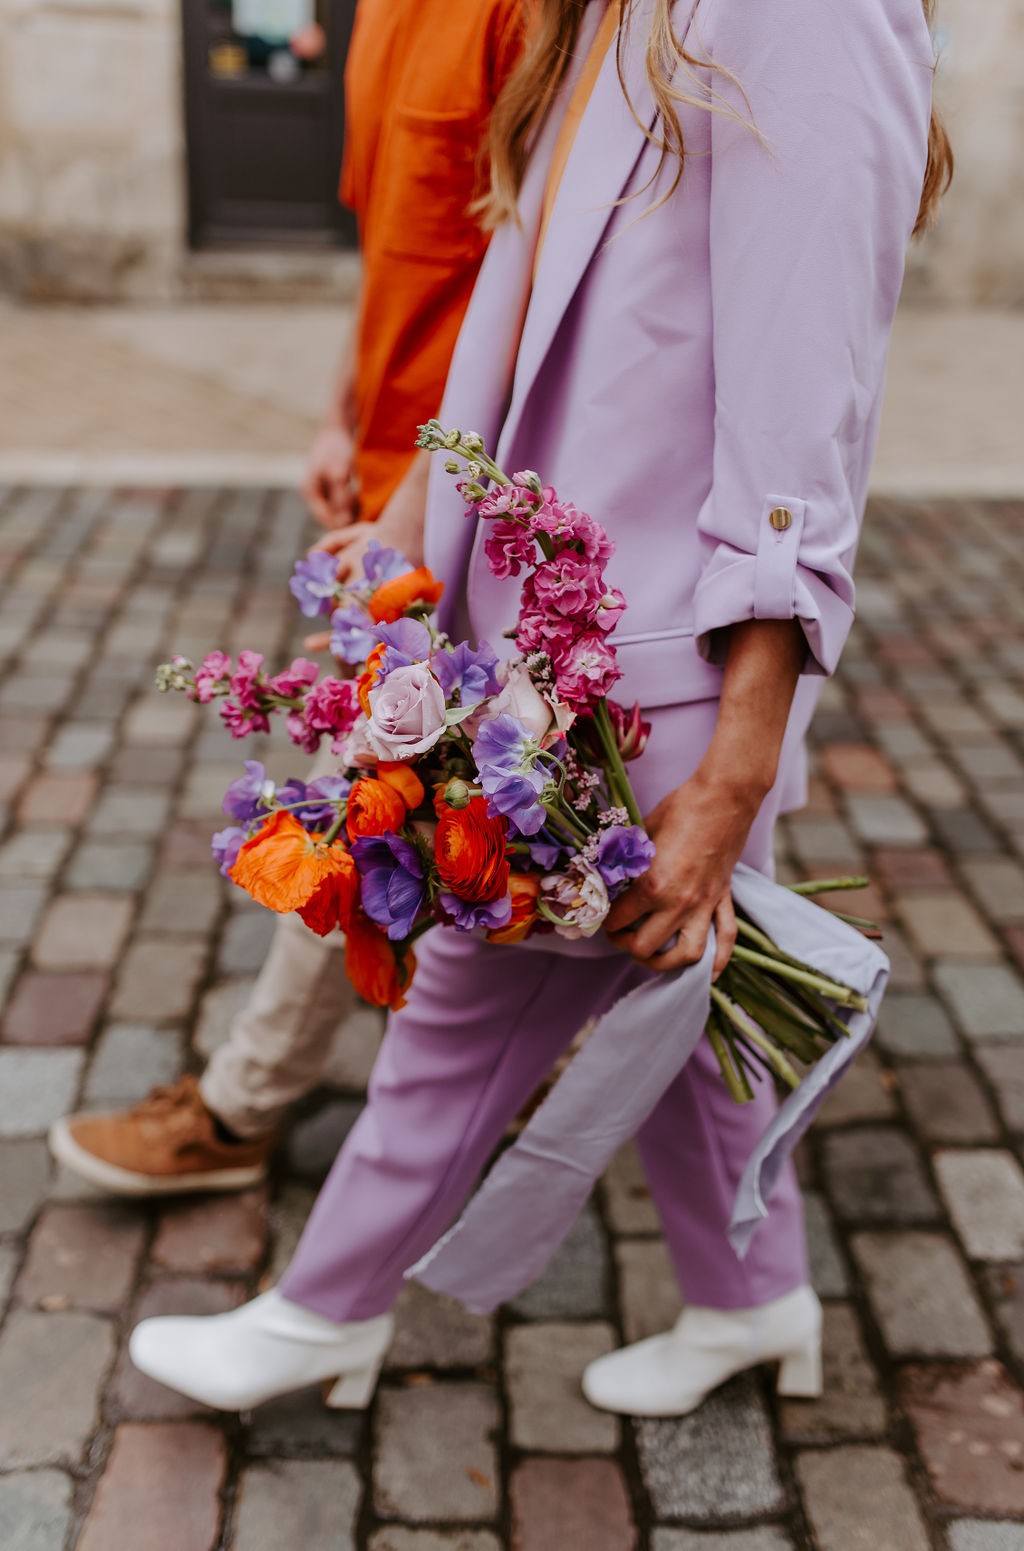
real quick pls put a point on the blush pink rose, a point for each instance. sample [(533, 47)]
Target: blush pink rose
[(576, 901), (407, 713), (520, 698)]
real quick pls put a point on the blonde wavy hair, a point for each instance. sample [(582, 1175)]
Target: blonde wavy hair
[(551, 37)]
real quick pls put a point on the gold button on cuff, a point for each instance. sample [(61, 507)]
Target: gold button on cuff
[(781, 519)]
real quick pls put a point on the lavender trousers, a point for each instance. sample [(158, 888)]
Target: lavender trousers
[(482, 1028)]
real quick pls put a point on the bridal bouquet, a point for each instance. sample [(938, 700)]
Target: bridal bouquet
[(490, 796)]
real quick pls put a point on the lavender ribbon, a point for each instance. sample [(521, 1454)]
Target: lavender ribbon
[(523, 1211)]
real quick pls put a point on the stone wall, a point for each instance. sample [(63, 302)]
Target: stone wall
[(92, 165)]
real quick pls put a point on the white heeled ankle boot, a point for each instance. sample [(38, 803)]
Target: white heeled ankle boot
[(669, 1375), (237, 1360)]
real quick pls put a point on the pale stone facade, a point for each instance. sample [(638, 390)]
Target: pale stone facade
[(92, 163)]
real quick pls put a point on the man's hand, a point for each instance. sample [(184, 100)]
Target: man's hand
[(328, 486)]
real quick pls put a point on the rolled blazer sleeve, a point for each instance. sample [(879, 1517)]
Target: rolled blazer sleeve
[(811, 215)]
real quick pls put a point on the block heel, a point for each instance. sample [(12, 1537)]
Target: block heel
[(800, 1375), (354, 1390)]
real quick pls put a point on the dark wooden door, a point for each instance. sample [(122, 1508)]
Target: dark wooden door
[(263, 153)]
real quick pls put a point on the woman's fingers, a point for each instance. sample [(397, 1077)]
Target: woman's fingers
[(337, 540), (725, 934), (320, 642)]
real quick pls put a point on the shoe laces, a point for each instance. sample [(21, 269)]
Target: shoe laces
[(164, 1100)]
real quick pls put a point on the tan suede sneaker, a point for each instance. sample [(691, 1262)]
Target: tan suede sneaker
[(167, 1145)]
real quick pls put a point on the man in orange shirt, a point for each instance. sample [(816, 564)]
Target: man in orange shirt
[(421, 78)]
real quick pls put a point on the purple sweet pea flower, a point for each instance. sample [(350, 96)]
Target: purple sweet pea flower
[(320, 796), (353, 633), (225, 846), (249, 795), (313, 583), (393, 885), (467, 917), (407, 641), (546, 854), (502, 741), (381, 564), (515, 795), (470, 672), (623, 852)]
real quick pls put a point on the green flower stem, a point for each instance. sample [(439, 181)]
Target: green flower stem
[(827, 885), (562, 819), (807, 977), (336, 828), (617, 776), (739, 1089), (750, 1032)]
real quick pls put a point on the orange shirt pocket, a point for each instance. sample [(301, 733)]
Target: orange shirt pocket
[(434, 170)]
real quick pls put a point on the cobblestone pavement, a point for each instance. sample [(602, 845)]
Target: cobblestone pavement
[(122, 958)]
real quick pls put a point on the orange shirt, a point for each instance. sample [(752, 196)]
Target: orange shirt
[(420, 82)]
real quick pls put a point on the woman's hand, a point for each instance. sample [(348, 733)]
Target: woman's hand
[(699, 831), (328, 485)]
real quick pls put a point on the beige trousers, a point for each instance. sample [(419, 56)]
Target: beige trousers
[(279, 1043)]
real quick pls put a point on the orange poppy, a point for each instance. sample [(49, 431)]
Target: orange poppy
[(373, 807), (377, 973), (469, 850), (395, 598), (286, 868), (404, 780), (368, 678), (525, 890)]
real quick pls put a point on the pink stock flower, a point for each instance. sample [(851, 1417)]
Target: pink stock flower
[(570, 586), (332, 706), (538, 631), (244, 685), (586, 672), (508, 547), (240, 721), (610, 610), (295, 679), (507, 501), (302, 735), (407, 713), (211, 673)]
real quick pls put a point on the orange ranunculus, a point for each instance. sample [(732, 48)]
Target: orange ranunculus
[(368, 678), (378, 975), (373, 807), (286, 868), (395, 598), (404, 780), (469, 849), (525, 890)]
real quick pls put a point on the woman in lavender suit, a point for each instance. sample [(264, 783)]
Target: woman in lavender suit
[(702, 215)]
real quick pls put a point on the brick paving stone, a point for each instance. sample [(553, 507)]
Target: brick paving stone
[(35, 1510), (970, 1430), (544, 1364), (144, 1484), (627, 1195), (158, 979), (946, 1103), (21, 905), (436, 1332), (396, 1538), (864, 1094), (434, 1457), (217, 1010), (354, 1050), (303, 1503), (764, 1538), (25, 1171), (80, 746), (828, 1269), (982, 1535), (135, 1397), (1003, 1065), (1005, 1289), (934, 785), (717, 1463), (575, 1284), (916, 1027), (245, 942), (857, 767), (129, 812), (906, 972), (998, 886), (921, 1296), (14, 770), (921, 868), (986, 999), (146, 767), (9, 1257), (163, 721), (649, 1295), (984, 1191), (313, 1144), (557, 1504), (885, 821), (182, 903), (119, 865), (52, 1009), (821, 844), (286, 1218), (852, 1405), (26, 734), (222, 1233), (204, 791), (51, 1366), (874, 1175), (858, 1499), (131, 1059), (34, 854), (962, 829), (944, 924), (83, 1257), (59, 797), (83, 931), (10, 963), (35, 1087), (300, 1424)]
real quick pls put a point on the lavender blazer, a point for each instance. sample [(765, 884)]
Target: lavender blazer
[(683, 373)]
